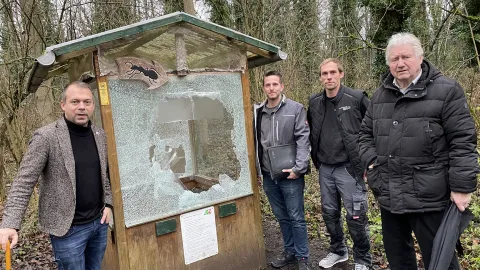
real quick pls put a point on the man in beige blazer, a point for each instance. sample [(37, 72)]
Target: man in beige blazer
[(69, 160)]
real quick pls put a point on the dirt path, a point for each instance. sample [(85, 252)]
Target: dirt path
[(274, 246)]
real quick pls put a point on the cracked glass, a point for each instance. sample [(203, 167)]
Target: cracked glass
[(181, 146)]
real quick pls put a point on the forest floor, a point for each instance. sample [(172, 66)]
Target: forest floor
[(274, 247)]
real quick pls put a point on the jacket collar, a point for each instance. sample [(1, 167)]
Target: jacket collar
[(65, 143), (429, 73), (338, 97), (63, 137)]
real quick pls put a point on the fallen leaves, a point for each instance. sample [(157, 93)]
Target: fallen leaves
[(32, 252)]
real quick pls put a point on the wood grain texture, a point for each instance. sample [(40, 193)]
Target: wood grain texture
[(238, 244), (248, 110), (110, 261), (181, 54), (118, 217), (143, 249)]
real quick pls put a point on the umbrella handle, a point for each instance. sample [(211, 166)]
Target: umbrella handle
[(8, 261)]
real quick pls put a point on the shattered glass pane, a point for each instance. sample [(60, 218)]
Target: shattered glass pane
[(181, 146)]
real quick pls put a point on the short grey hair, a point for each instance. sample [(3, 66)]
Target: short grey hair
[(78, 84), (402, 39)]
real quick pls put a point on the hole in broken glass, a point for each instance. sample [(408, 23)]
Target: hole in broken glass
[(150, 193), (172, 158), (210, 134)]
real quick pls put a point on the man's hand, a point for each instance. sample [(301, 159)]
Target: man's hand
[(462, 200), (107, 214), (6, 234), (365, 172), (292, 174)]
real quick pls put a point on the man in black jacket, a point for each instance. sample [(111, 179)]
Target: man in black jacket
[(418, 141), (335, 116)]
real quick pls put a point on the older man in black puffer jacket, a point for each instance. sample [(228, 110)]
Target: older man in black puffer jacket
[(418, 142)]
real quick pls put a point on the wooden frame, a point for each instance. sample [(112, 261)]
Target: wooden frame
[(151, 246), (118, 238), (138, 247)]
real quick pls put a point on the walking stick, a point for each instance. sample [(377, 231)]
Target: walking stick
[(7, 257)]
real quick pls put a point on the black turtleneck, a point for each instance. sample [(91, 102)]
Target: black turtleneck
[(87, 172)]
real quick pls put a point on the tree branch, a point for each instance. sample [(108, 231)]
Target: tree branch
[(368, 43), (439, 31), (456, 11), (473, 40), (31, 23)]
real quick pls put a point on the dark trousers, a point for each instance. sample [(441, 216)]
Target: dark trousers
[(286, 199), (82, 248), (398, 242), (337, 185)]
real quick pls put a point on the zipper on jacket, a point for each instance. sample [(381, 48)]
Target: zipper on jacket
[(342, 134), (277, 131), (273, 130), (274, 144), (257, 141), (428, 134)]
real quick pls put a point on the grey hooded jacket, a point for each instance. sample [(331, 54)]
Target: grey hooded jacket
[(290, 126)]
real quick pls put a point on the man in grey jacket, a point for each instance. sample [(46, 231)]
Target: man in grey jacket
[(281, 122), (69, 160)]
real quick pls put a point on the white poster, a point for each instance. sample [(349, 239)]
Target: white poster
[(199, 234)]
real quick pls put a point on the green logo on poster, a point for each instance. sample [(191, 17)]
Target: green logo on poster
[(208, 212)]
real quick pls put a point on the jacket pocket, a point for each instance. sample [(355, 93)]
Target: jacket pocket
[(430, 182), (69, 233), (427, 131), (284, 129), (359, 204)]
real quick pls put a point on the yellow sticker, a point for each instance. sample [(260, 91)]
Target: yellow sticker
[(103, 89)]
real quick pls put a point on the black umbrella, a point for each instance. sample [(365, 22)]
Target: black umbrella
[(453, 224)]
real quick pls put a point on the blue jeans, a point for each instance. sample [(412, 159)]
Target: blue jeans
[(82, 247), (337, 185), (286, 199)]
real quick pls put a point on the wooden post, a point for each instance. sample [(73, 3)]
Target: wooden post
[(107, 120), (247, 108), (191, 134), (189, 7), (180, 49), (181, 53)]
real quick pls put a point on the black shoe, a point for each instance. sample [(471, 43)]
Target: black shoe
[(283, 260), (303, 264)]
